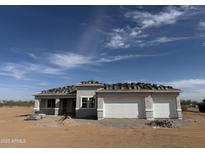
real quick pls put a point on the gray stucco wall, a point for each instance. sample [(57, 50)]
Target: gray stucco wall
[(85, 91), (50, 111)]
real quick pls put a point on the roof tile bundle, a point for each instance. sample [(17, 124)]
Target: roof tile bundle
[(117, 86)]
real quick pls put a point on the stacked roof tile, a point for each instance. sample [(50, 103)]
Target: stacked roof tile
[(63, 90), (105, 86), (136, 86)]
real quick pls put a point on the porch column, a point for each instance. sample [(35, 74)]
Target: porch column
[(57, 106), (100, 113), (37, 105), (149, 107), (179, 110)]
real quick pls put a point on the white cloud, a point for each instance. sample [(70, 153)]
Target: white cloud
[(69, 60), (32, 55), (58, 64), (120, 57), (134, 35), (203, 44), (123, 37), (193, 89), (117, 41), (147, 19), (15, 70), (19, 71), (164, 39), (202, 24), (188, 83)]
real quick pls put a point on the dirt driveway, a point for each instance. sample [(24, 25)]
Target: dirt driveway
[(49, 132)]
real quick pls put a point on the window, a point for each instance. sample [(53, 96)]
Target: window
[(88, 102), (51, 103), (84, 102), (91, 102)]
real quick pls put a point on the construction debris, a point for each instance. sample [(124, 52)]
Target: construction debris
[(35, 117), (161, 123), (67, 121)]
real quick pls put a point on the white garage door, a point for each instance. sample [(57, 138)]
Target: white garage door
[(161, 110), (123, 108)]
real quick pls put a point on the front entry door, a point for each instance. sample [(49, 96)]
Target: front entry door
[(64, 106), (73, 106)]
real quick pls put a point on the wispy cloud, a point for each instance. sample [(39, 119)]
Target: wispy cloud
[(124, 37), (193, 89), (117, 41), (146, 19), (134, 35), (69, 60), (14, 70), (58, 64), (203, 44), (32, 55), (120, 57), (188, 83), (202, 24), (19, 71), (164, 39)]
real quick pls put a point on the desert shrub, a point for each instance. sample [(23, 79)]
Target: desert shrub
[(189, 102), (201, 107), (11, 103), (184, 107)]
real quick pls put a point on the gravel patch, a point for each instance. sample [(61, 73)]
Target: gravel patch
[(167, 123)]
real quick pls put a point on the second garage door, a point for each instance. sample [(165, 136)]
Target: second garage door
[(164, 108), (123, 108), (161, 110)]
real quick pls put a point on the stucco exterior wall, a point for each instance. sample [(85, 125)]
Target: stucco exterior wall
[(48, 111), (85, 91)]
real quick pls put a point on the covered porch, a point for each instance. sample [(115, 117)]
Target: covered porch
[(56, 105)]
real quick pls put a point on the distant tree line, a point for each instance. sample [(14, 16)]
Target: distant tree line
[(186, 104), (189, 102), (202, 106), (16, 103)]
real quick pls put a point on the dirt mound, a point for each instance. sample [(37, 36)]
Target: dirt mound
[(70, 122), (67, 121)]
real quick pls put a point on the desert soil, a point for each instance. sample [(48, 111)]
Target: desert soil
[(15, 132)]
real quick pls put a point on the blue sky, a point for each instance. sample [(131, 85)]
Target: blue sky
[(43, 47)]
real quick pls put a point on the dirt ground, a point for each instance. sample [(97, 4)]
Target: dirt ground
[(50, 132)]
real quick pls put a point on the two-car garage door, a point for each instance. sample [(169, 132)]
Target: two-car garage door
[(115, 107), (134, 107)]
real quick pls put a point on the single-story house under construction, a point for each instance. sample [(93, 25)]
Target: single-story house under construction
[(120, 100)]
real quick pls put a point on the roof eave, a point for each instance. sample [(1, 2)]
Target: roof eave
[(140, 91), (54, 94), (88, 85)]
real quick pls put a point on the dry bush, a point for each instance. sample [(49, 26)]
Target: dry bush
[(11, 103)]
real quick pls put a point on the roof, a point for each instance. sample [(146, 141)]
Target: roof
[(60, 90), (133, 86)]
